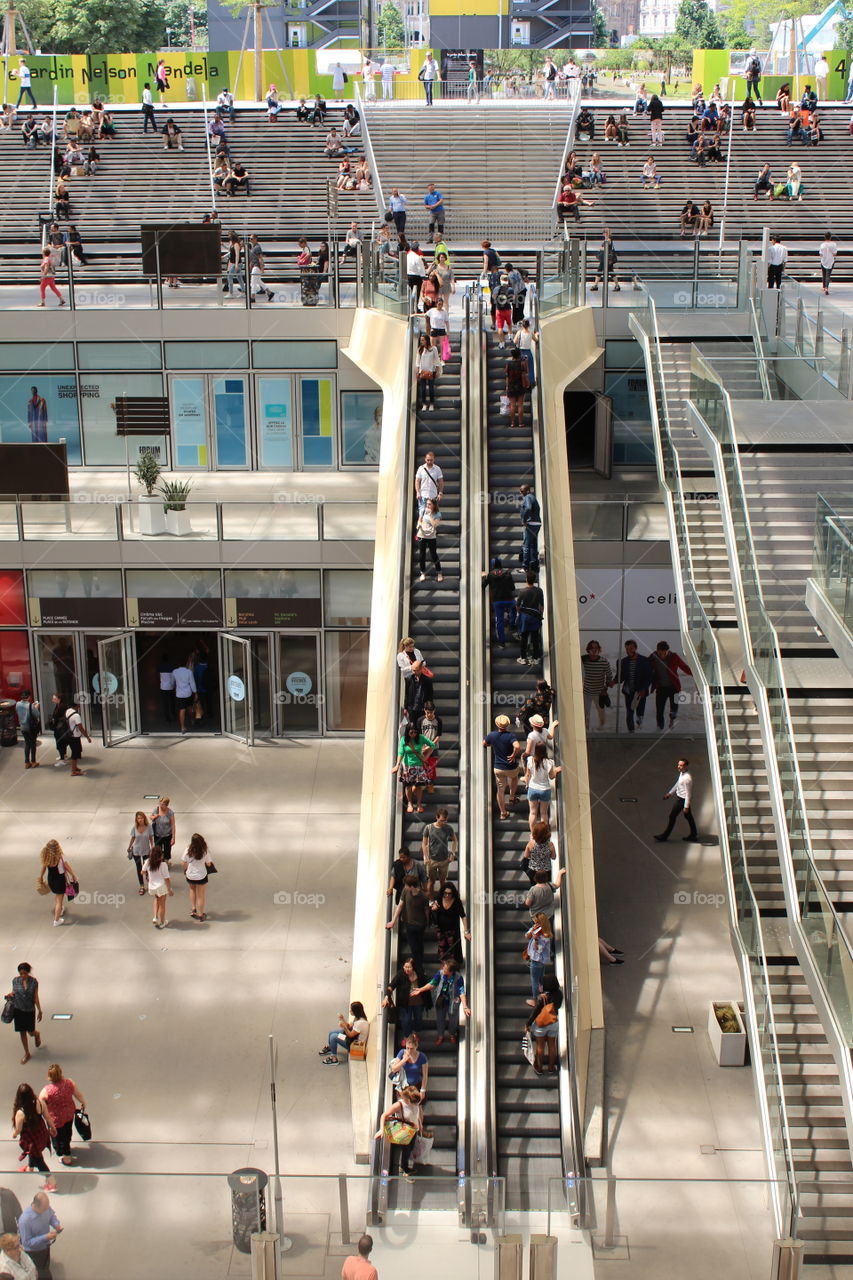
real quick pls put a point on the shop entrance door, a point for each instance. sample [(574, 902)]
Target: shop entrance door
[(116, 688), (235, 663)]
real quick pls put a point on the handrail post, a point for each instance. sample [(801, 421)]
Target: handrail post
[(845, 381), (207, 142)]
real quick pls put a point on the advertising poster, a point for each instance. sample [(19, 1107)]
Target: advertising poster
[(275, 422), (39, 409)]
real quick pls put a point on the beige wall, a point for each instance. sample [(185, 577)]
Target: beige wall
[(569, 348), (378, 346)]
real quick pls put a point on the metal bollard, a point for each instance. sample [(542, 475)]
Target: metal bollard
[(508, 1258)]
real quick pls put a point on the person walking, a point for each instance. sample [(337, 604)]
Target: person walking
[(542, 1023), (141, 844), (682, 790), (62, 1098), (472, 92), (358, 1266), (55, 875), (163, 827), (397, 205), (47, 278), (33, 1128), (429, 75), (827, 252), (427, 535), (665, 666), (448, 997), (26, 1005), (413, 908), (450, 922), (415, 272), (148, 109), (29, 721), (597, 679), (402, 994), (821, 72), (753, 77), (407, 1109), (506, 750), (429, 482), (185, 693), (59, 725), (777, 256), (25, 83), (197, 863), (257, 266), (412, 752), (77, 731), (155, 872), (501, 588), (38, 1227), (530, 515), (439, 847), (517, 382), (635, 678), (530, 604)]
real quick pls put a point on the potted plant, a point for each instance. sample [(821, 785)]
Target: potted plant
[(175, 494), (727, 1033), (151, 519)]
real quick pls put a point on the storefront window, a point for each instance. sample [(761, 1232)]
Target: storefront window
[(347, 597), (41, 357), (12, 602), (632, 424), (119, 355), (75, 598), (317, 421), (275, 422), (295, 355), (272, 598), (161, 598), (15, 673), (346, 679), (361, 416), (209, 356), (230, 416), (189, 422), (38, 410), (98, 394)]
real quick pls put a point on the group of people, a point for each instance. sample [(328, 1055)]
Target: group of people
[(64, 721), (777, 258), (638, 677), (791, 189)]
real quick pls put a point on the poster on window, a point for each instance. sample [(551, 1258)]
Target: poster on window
[(38, 409), (275, 422), (98, 394), (361, 416), (189, 422), (273, 598)]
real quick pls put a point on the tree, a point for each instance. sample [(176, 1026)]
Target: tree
[(392, 32), (600, 29), (177, 16), (696, 26), (96, 28), (843, 38), (736, 34)]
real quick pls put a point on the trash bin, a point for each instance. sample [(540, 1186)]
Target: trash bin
[(248, 1206), (8, 723)]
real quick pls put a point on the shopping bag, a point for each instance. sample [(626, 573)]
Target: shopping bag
[(445, 348), (422, 1148), (505, 406), (399, 1132), (527, 1047)]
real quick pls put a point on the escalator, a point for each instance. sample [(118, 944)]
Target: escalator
[(528, 1133)]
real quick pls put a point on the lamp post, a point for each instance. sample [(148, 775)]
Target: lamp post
[(169, 36)]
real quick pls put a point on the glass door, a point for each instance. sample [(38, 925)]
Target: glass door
[(298, 694), (210, 422), (235, 661), (115, 688)]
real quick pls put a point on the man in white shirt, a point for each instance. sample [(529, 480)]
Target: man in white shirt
[(397, 206), (429, 482), (148, 109), (777, 256), (429, 75), (821, 73), (185, 692), (683, 804), (415, 271), (827, 252), (25, 82), (367, 77), (338, 80), (388, 74)]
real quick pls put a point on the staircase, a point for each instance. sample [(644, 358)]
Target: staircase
[(529, 1147), (434, 624), (823, 723), (496, 166), (140, 182)]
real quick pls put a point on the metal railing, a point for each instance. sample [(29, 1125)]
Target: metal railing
[(368, 151), (744, 914), (818, 331), (833, 555), (574, 97)]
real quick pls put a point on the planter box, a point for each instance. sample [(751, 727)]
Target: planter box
[(729, 1046), (150, 516), (178, 523)]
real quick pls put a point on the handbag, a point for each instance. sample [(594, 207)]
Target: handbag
[(547, 1016), (198, 710), (8, 1014), (399, 1133), (604, 700), (527, 1048), (83, 1124), (72, 887), (422, 1147), (445, 348), (212, 869), (42, 888), (358, 1052)]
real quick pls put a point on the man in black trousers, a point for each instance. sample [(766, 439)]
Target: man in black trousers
[(683, 804)]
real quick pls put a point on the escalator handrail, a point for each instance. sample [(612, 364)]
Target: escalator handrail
[(570, 1111), (379, 1158)]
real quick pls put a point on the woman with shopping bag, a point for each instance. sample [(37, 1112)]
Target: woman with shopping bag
[(401, 1124)]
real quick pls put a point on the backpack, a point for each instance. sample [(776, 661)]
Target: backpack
[(753, 66), (503, 299)]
